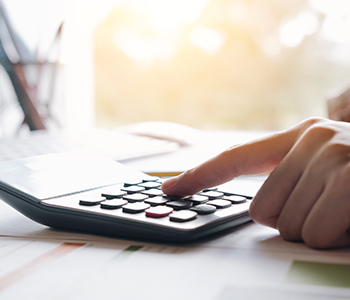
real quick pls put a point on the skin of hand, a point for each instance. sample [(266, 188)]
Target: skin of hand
[(307, 194), (339, 106)]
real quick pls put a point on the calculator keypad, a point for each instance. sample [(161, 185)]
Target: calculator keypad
[(146, 196), (144, 200)]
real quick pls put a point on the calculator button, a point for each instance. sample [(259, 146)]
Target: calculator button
[(91, 201), (203, 209), (132, 182), (212, 194), (161, 180), (233, 194), (175, 197), (150, 178), (113, 194), (158, 211), (215, 188), (113, 204), (198, 199), (179, 204), (135, 197), (219, 203), (152, 192), (234, 199), (134, 208), (183, 216), (156, 201), (133, 189), (150, 185)]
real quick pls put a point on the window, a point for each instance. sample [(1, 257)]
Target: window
[(220, 64)]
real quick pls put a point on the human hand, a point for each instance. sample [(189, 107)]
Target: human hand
[(307, 195), (339, 106)]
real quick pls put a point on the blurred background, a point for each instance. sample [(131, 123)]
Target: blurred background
[(211, 64), (227, 64)]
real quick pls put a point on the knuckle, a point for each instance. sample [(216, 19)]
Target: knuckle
[(313, 121), (319, 131), (336, 149)]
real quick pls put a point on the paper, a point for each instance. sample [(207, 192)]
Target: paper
[(118, 269), (273, 292), (252, 260), (14, 224), (213, 143), (317, 273)]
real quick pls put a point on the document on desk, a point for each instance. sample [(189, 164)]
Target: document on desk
[(53, 269), (251, 262), (207, 146)]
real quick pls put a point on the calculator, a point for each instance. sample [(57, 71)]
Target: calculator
[(81, 192)]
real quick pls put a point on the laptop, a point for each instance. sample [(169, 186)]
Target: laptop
[(117, 145)]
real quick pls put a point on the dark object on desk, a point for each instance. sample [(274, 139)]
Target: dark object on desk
[(65, 191), (17, 60), (31, 115)]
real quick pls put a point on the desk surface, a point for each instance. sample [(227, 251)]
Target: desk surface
[(250, 262)]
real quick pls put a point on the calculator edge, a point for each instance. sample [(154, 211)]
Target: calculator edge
[(103, 225)]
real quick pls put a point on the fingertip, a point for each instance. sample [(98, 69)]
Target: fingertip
[(167, 185), (182, 185)]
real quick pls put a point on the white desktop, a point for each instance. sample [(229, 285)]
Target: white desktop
[(250, 262)]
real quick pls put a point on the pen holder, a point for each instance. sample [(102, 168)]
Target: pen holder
[(31, 97)]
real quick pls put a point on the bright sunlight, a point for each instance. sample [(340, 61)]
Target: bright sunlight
[(238, 64)]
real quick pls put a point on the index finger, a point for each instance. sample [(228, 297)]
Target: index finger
[(255, 157)]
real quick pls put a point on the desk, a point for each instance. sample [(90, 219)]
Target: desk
[(250, 262)]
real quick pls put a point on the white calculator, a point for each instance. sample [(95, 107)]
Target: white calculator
[(97, 195)]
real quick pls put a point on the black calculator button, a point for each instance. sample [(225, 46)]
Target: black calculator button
[(179, 204), (219, 203), (158, 211), (113, 204), (234, 194), (133, 189), (134, 208), (183, 216), (150, 185), (91, 201), (152, 192), (198, 199), (175, 198), (150, 178), (110, 194), (156, 201), (235, 199), (135, 197), (132, 182), (203, 209), (212, 194), (215, 188)]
